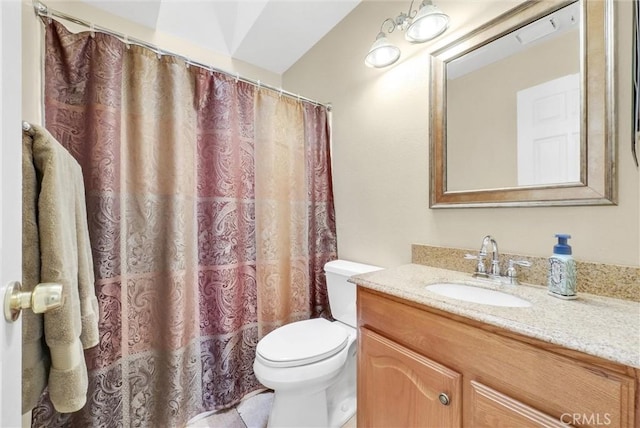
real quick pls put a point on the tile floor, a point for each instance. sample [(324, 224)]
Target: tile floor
[(252, 412)]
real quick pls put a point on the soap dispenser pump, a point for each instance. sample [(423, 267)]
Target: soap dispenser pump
[(561, 279)]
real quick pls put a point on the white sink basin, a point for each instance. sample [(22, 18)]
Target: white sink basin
[(484, 296)]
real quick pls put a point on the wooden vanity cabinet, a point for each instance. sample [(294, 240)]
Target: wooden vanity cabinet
[(409, 356)]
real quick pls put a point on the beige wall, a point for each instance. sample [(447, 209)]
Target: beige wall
[(380, 148)]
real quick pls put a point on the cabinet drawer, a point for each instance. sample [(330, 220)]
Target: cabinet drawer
[(546, 381), (489, 408)]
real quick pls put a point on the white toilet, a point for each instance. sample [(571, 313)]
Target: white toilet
[(311, 364)]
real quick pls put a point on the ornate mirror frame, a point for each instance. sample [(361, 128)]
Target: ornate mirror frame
[(598, 127)]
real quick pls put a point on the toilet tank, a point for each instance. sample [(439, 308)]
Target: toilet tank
[(342, 294)]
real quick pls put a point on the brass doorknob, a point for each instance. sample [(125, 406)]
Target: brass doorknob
[(44, 297)]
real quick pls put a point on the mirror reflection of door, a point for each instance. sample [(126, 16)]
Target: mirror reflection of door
[(549, 132)]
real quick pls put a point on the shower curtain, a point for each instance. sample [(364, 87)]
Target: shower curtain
[(211, 216)]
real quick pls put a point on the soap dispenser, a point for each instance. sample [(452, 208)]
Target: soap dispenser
[(561, 278)]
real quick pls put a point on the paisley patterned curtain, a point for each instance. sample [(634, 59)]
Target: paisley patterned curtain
[(211, 216), (281, 208)]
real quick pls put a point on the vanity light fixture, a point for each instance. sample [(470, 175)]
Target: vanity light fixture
[(382, 52), (421, 25)]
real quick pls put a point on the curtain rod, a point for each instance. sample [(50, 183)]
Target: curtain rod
[(45, 11)]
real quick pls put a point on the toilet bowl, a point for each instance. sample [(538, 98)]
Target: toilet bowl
[(311, 364)]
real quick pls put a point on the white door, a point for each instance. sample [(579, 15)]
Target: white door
[(10, 206), (549, 132)]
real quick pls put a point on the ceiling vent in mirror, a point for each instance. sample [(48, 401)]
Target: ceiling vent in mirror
[(536, 31)]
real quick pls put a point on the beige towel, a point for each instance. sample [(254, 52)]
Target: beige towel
[(55, 245)]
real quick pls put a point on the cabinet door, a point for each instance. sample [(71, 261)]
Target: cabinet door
[(492, 409), (398, 387)]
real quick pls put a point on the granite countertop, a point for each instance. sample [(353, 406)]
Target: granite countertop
[(601, 326)]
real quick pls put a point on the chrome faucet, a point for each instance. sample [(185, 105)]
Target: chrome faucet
[(494, 270), (495, 257), (481, 270)]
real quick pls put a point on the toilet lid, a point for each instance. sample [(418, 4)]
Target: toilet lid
[(302, 342)]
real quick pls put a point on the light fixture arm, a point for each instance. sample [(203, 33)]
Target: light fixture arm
[(403, 20), (392, 25), (412, 13)]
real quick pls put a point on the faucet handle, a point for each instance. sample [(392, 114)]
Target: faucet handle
[(512, 273), (481, 270)]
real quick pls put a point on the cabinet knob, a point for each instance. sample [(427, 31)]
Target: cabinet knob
[(444, 399)]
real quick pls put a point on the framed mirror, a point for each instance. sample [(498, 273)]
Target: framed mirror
[(522, 110)]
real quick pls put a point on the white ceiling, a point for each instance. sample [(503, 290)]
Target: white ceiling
[(271, 34)]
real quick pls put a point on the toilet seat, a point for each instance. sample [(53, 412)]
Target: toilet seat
[(301, 343)]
